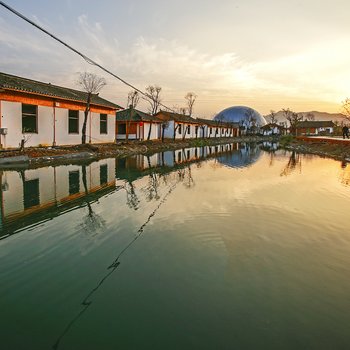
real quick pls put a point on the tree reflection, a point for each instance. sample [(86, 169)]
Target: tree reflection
[(87, 301), (92, 222), (132, 199), (152, 187), (294, 163), (345, 173)]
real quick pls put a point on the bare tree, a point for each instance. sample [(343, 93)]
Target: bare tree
[(272, 117), (133, 99), (346, 108), (190, 100), (250, 121), (164, 125), (92, 84), (309, 116), (293, 118), (154, 99)]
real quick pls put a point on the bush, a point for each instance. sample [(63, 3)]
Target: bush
[(285, 140), (199, 142)]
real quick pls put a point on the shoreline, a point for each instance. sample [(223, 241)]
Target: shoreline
[(68, 154), (334, 148), (46, 156)]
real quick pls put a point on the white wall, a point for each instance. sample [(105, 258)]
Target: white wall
[(96, 136), (12, 120), (155, 132), (169, 131)]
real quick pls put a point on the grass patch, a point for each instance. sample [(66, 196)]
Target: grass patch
[(198, 143), (286, 140)]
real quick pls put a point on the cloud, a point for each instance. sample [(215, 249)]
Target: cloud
[(317, 74)]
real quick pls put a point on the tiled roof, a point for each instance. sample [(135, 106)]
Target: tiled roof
[(315, 124), (176, 116), (132, 114), (16, 83)]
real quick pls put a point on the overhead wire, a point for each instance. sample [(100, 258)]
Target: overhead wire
[(86, 58)]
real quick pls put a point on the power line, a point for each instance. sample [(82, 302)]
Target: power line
[(86, 58)]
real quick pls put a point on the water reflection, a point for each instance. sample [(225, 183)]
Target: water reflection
[(294, 163), (345, 173), (242, 155), (199, 216), (31, 196)]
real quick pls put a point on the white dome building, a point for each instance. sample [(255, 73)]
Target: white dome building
[(248, 118)]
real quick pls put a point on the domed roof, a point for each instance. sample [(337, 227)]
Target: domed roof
[(240, 114)]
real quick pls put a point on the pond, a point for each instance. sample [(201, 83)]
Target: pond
[(238, 246)]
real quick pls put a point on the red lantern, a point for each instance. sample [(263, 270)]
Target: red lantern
[(141, 123)]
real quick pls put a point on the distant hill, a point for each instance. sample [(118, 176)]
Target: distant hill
[(318, 116)]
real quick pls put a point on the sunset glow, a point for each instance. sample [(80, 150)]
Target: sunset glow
[(271, 56)]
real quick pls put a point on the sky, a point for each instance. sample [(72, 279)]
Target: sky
[(268, 55)]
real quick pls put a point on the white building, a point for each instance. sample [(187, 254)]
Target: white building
[(178, 126), (50, 115), (132, 124)]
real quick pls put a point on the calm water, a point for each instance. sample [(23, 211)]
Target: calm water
[(230, 247)]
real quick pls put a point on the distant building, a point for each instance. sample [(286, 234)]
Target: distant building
[(179, 126), (215, 128), (132, 124), (249, 120), (49, 115), (315, 127), (273, 129)]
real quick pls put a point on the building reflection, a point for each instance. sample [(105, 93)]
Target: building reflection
[(31, 196)]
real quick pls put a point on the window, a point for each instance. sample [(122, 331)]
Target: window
[(122, 129), (103, 174), (211, 130), (188, 129), (103, 123), (196, 129), (179, 157), (73, 122), (74, 182), (31, 194), (180, 127), (29, 118)]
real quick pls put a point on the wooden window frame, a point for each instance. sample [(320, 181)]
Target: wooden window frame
[(102, 123), (24, 114), (78, 121)]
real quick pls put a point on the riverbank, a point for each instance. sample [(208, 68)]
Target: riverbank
[(64, 154), (325, 147), (330, 147)]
